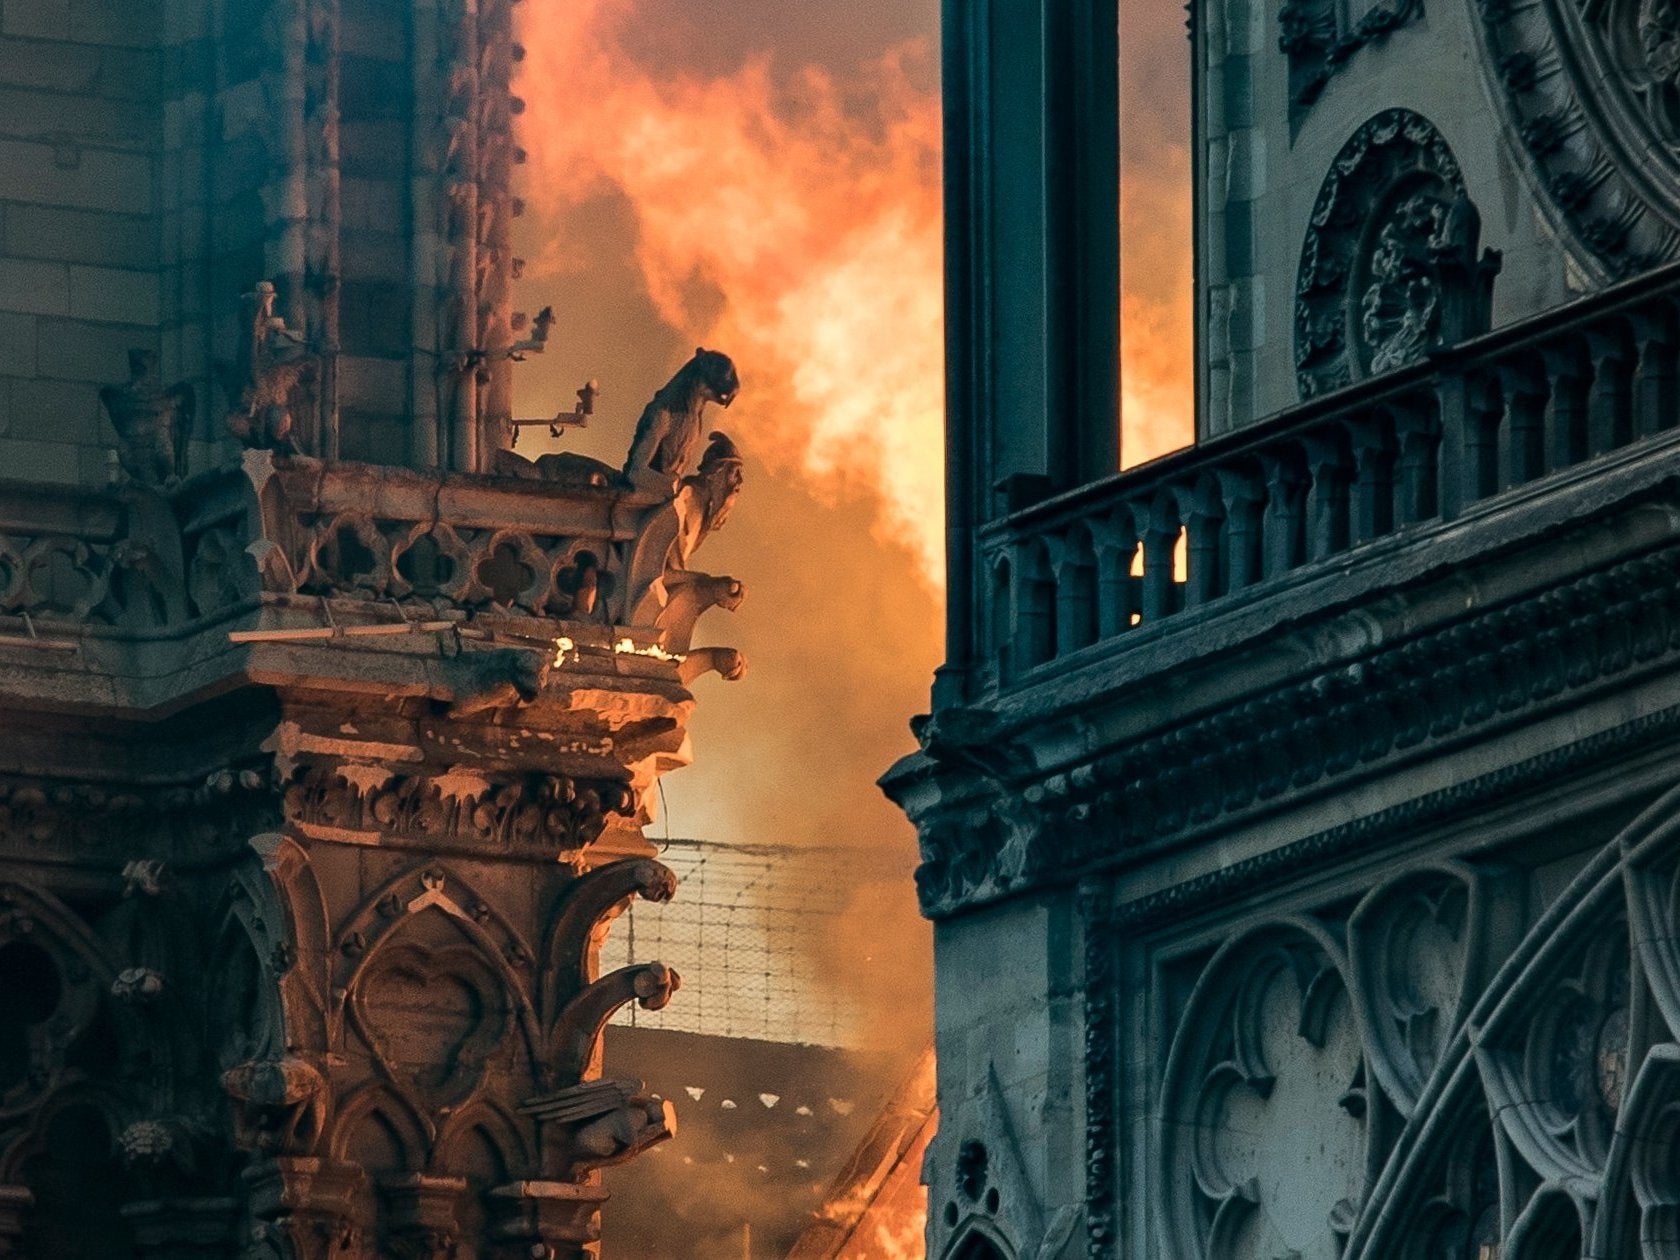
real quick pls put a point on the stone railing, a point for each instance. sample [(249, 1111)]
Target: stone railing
[(1385, 456), (419, 545)]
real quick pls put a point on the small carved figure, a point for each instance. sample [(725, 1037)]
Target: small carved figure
[(641, 1121), (1659, 39), (668, 433), (705, 497), (538, 338), (149, 421), (143, 877), (272, 360), (142, 985)]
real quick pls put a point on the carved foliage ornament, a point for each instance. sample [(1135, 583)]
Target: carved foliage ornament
[(1320, 36), (1591, 89), (1389, 268)]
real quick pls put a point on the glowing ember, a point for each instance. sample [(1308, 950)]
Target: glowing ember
[(627, 647)]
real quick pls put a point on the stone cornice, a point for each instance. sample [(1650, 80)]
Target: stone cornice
[(998, 816)]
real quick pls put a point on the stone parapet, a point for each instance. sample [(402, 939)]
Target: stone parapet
[(1272, 618)]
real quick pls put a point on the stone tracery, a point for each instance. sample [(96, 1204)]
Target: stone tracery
[(1533, 1133), (1590, 90)]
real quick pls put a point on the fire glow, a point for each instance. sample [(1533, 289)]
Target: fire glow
[(820, 230)]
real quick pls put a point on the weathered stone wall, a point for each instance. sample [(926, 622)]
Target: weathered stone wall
[(1266, 152), (85, 187)]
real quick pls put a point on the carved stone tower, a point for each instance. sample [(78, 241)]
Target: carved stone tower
[(331, 725), (1318, 782)]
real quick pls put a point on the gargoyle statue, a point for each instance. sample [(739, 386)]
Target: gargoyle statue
[(149, 421), (668, 434), (643, 1120), (596, 1124), (272, 360), (502, 678)]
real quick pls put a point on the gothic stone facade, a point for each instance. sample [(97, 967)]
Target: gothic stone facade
[(1299, 811), (322, 779)]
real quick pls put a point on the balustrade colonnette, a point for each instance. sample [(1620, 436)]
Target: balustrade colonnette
[(1382, 456)]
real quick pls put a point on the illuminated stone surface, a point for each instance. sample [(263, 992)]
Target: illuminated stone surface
[(331, 726)]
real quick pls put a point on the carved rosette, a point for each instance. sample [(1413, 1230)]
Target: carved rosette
[(1389, 267), (1591, 93)]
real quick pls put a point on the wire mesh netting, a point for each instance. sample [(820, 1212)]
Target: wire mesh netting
[(749, 931)]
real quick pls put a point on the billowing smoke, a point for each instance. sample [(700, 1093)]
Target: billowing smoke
[(1156, 284), (764, 178), (793, 218), (679, 192)]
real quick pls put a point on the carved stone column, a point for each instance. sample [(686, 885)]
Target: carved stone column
[(15, 1203), (304, 1209), (546, 1220), (419, 1221)]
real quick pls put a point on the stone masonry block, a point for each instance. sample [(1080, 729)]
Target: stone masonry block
[(135, 23), (376, 384), (375, 256), (375, 204), (70, 175), (131, 74), (72, 350), (5, 405), (80, 236), (36, 19), (59, 411), (58, 67), (374, 147), (17, 344), (186, 20), (112, 296), (28, 114), (34, 288), (54, 462)]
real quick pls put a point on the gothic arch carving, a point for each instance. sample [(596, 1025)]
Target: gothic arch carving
[(414, 942), (977, 1240), (281, 907), (1591, 95), (376, 1129), (59, 989), (583, 918), (481, 1142), (1269, 1049), (1530, 1090), (1389, 266)]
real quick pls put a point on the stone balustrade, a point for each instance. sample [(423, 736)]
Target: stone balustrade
[(1388, 456), (133, 559)]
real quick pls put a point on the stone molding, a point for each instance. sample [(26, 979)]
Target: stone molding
[(1253, 756), (532, 812), (94, 822)]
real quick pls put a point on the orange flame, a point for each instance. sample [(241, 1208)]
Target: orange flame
[(816, 218), (812, 206)]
